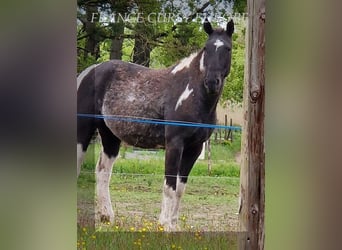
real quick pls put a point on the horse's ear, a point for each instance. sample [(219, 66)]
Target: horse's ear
[(207, 27), (230, 28)]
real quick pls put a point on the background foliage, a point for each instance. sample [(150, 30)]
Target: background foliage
[(108, 29)]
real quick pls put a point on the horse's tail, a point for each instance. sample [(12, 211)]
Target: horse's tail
[(84, 73)]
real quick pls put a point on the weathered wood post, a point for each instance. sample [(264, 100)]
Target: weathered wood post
[(225, 130), (252, 174), (230, 132)]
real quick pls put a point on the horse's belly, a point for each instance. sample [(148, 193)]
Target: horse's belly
[(132, 113), (138, 134)]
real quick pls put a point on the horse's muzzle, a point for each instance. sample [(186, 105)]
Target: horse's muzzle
[(213, 85)]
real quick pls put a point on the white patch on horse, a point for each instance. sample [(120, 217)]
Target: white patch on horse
[(80, 156), (202, 62), (84, 73), (131, 97), (169, 196), (103, 173), (183, 96), (180, 188), (218, 43), (184, 63), (170, 205)]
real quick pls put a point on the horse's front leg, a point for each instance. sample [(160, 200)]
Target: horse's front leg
[(170, 202), (172, 197)]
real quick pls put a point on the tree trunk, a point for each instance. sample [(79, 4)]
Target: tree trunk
[(118, 29), (142, 47), (117, 41), (92, 43), (141, 51)]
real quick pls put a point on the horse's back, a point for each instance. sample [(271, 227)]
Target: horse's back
[(134, 91)]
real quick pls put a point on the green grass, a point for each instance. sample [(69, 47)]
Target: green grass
[(222, 159), (155, 241), (208, 209)]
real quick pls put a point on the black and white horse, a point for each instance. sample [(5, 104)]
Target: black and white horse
[(188, 91)]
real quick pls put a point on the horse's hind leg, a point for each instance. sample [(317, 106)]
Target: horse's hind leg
[(85, 131), (110, 150)]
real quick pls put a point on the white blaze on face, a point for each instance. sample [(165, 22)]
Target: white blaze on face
[(184, 63), (186, 93), (202, 62), (103, 173), (218, 43)]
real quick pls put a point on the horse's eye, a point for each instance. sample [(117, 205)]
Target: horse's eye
[(228, 49)]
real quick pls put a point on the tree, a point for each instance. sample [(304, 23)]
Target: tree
[(240, 6), (155, 44), (118, 29), (144, 32)]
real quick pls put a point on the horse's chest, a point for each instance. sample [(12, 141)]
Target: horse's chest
[(201, 135)]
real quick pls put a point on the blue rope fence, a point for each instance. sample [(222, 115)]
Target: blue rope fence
[(158, 121)]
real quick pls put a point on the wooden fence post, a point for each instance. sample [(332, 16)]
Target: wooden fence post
[(252, 174), (209, 156), (230, 132)]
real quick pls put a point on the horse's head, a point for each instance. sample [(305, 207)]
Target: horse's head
[(217, 56)]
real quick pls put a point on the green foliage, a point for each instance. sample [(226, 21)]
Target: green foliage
[(169, 41), (240, 6), (127, 50), (184, 40), (83, 63), (233, 89)]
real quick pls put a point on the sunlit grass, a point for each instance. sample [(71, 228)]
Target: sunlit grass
[(142, 238), (208, 208)]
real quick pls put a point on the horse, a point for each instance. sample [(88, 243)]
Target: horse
[(187, 91)]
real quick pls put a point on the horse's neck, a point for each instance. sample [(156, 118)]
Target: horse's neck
[(208, 102), (211, 103)]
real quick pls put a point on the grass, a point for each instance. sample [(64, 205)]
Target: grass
[(208, 209), (222, 158), (145, 240)]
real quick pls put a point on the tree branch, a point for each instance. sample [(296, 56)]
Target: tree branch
[(200, 10), (189, 19), (80, 48), (82, 37)]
